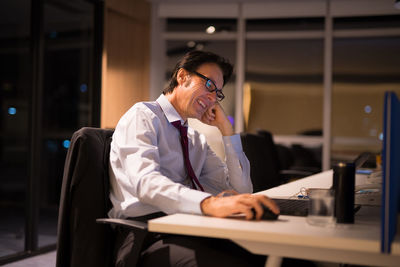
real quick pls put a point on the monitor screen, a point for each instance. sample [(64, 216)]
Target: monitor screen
[(390, 170)]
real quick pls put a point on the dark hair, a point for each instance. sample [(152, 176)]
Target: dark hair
[(192, 60)]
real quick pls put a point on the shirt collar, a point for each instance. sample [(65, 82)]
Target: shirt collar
[(169, 110)]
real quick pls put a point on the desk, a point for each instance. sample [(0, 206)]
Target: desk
[(291, 236)]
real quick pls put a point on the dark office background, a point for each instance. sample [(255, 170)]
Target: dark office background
[(49, 87)]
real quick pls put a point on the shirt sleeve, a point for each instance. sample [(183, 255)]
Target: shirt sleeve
[(233, 174), (137, 168)]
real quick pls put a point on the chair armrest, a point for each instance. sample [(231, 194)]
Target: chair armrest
[(124, 223), (129, 236)]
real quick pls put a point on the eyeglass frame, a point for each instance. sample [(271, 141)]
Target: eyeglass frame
[(218, 92)]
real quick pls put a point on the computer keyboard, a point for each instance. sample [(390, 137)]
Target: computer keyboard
[(293, 207)]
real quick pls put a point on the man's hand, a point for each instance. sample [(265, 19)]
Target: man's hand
[(242, 203), (215, 116)]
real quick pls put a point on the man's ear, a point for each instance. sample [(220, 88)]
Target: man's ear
[(183, 77)]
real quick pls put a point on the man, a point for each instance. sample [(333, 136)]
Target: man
[(150, 173)]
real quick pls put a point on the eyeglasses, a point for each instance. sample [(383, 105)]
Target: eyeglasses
[(211, 87)]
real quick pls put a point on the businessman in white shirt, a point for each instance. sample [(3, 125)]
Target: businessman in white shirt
[(150, 174)]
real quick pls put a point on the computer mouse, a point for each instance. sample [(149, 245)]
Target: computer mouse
[(267, 214)]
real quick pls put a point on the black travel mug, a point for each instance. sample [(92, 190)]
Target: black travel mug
[(343, 184)]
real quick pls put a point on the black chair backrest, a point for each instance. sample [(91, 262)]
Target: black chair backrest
[(84, 198), (264, 165), (272, 149)]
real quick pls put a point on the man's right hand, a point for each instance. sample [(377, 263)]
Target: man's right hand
[(242, 203), (215, 116)]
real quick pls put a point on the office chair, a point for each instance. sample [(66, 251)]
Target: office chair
[(264, 166), (84, 200), (270, 164), (293, 164), (306, 159)]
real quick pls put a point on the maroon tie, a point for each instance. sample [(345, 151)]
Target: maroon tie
[(185, 149)]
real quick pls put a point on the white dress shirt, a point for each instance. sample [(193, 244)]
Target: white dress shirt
[(147, 171)]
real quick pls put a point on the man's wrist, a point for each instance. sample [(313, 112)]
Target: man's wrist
[(226, 129), (204, 205)]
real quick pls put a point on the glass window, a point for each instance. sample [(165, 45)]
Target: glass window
[(63, 87), (67, 84), (368, 22), (283, 90), (363, 69), (201, 25), (294, 24), (15, 101), (284, 86)]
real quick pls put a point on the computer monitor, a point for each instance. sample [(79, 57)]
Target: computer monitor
[(391, 170)]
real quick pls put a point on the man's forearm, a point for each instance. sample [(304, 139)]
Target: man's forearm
[(226, 128)]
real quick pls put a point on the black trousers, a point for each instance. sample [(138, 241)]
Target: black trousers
[(190, 251)]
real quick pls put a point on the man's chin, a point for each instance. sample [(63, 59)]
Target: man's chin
[(199, 115)]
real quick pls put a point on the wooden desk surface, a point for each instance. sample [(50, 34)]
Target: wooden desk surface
[(289, 230)]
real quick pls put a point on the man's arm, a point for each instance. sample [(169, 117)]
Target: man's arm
[(237, 174), (241, 203)]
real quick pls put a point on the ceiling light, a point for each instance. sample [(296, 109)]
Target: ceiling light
[(210, 30), (191, 44), (199, 46)]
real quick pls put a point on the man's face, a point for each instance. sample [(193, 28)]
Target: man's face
[(193, 98)]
